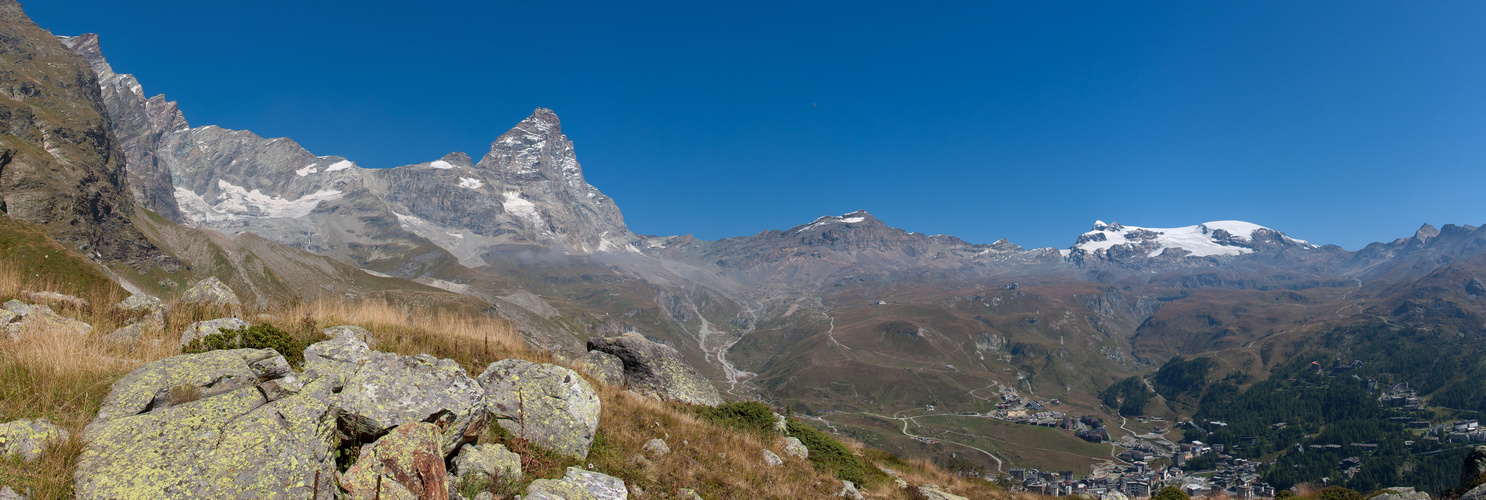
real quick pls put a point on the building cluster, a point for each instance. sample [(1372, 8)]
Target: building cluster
[(1023, 410), (1140, 481), (1402, 397)]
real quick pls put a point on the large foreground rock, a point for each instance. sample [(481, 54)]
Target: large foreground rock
[(1400, 494), (657, 370), (202, 426), (405, 464), (388, 390), (578, 484), (548, 405), (933, 492), (487, 464)]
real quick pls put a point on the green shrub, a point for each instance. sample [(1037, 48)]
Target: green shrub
[(1171, 493), (263, 336), (1336, 493), (750, 416), (829, 454)]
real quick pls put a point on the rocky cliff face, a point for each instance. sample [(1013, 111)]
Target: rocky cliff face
[(139, 123), (60, 164)]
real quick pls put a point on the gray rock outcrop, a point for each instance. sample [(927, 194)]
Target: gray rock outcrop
[(657, 370), (578, 484), (548, 405), (388, 390), (24, 318), (200, 425), (1400, 494)]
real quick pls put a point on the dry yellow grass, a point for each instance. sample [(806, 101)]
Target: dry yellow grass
[(63, 378)]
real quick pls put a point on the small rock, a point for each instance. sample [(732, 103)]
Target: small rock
[(1475, 287), (407, 463), (6, 317), (17, 307), (8, 494), (603, 366), (351, 331), (578, 484), (656, 447), (889, 472), (900, 483), (1400, 494), (688, 494), (211, 292), (636, 491), (140, 303), (772, 459), (780, 424), (794, 448), (657, 370), (849, 490), (548, 405), (932, 492), (59, 299), (126, 336), (201, 329), (490, 462), (27, 438)]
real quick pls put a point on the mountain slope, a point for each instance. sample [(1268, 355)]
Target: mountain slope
[(60, 165)]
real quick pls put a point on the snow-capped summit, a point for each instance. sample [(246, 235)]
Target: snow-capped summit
[(1216, 238), (856, 217)]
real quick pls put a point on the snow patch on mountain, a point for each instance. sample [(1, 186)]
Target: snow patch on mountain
[(471, 183), (307, 170), (851, 218), (235, 202), (1202, 240), (340, 165), (520, 207), (441, 164)]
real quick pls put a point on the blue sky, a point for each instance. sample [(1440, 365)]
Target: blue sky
[(1337, 122)]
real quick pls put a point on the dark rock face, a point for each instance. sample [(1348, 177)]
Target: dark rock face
[(657, 370), (140, 124), (1475, 287), (60, 165)]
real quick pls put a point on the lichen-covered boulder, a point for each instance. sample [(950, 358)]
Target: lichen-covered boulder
[(389, 390), (127, 335), (657, 370), (27, 438), (6, 317), (487, 464), (38, 318), (771, 459), (548, 405), (201, 329), (780, 424), (8, 494), (336, 359), (211, 292), (352, 331), (200, 426), (405, 464), (578, 484), (933, 492), (688, 494), (603, 366), (794, 448)]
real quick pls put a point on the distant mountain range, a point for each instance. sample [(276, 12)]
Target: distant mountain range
[(840, 313)]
